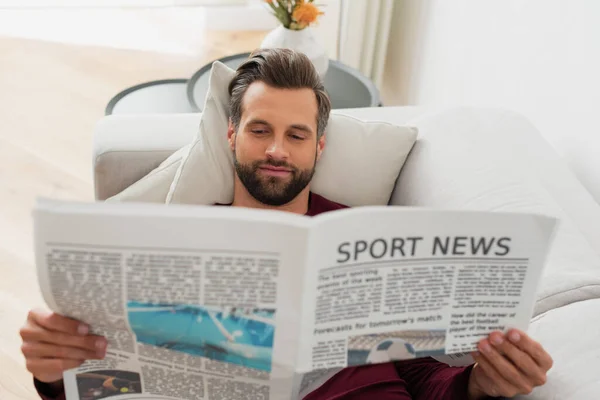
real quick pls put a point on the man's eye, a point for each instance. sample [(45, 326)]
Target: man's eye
[(258, 131), (297, 137)]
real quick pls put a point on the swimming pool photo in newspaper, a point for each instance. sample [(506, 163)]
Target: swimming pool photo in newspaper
[(395, 346), (234, 335)]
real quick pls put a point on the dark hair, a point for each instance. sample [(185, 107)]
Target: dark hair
[(280, 68)]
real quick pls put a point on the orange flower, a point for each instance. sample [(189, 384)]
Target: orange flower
[(306, 13)]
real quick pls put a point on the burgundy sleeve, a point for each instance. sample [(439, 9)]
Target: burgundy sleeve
[(48, 392), (427, 379)]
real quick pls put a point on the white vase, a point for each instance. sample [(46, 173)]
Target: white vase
[(303, 41)]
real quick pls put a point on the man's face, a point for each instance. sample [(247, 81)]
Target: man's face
[(276, 146)]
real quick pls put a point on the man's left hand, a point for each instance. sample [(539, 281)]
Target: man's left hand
[(508, 365)]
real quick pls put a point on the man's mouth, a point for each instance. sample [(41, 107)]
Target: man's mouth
[(275, 171)]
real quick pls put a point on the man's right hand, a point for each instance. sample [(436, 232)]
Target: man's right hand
[(53, 344)]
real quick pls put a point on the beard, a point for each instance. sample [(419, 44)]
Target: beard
[(273, 190)]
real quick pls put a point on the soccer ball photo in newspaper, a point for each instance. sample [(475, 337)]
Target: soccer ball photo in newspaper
[(397, 345), (390, 350)]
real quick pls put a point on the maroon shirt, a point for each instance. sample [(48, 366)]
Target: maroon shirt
[(419, 379)]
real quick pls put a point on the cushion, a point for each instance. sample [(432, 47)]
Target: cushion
[(359, 166), (206, 173)]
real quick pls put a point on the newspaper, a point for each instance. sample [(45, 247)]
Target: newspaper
[(224, 303)]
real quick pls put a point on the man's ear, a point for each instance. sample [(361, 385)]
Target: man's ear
[(320, 146), (231, 135)]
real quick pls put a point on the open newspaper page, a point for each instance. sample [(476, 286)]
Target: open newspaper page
[(398, 283), (196, 302)]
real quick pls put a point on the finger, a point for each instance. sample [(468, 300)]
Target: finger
[(531, 347), (497, 385), (48, 366), (504, 367), (36, 333), (58, 323), (519, 358), (45, 350), (484, 382)]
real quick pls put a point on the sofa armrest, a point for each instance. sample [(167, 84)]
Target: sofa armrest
[(496, 160), (127, 147), (570, 335)]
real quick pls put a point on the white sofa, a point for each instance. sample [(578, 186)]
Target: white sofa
[(464, 158)]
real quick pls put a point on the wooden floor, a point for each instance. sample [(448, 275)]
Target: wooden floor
[(51, 95)]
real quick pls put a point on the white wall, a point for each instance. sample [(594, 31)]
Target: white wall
[(178, 29), (112, 3), (538, 57)]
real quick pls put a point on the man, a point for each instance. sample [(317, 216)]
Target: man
[(279, 111)]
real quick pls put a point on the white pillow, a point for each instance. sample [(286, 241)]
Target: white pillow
[(206, 173), (359, 166)]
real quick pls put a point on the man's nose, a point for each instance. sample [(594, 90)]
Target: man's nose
[(277, 150)]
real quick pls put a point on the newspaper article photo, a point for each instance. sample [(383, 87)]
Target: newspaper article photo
[(243, 337)]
